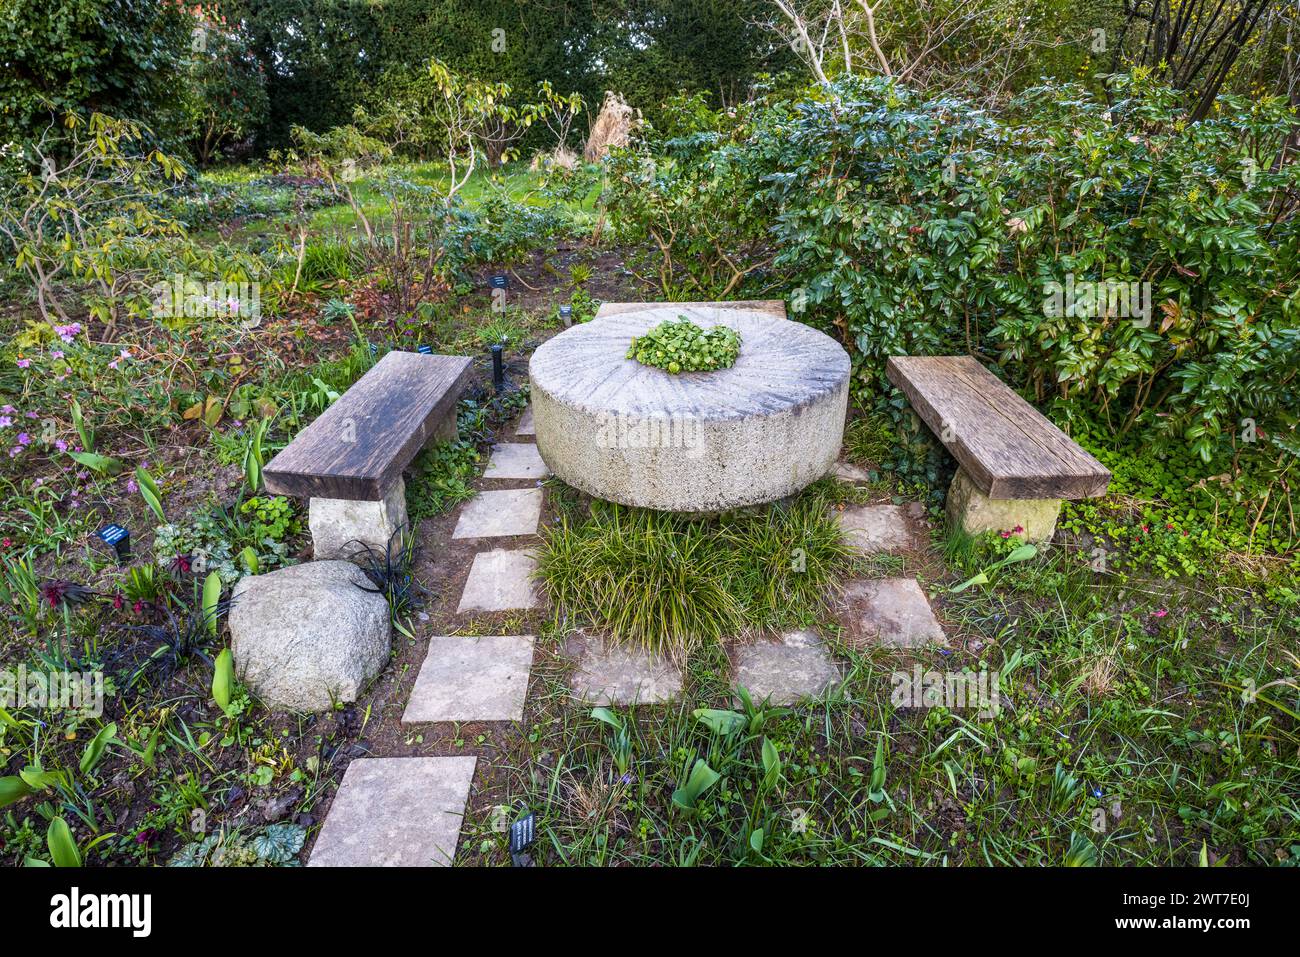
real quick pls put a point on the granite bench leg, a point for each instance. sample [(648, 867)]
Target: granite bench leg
[(972, 510), (445, 430), (338, 525)]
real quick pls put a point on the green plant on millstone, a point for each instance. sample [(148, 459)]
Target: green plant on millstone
[(679, 345)]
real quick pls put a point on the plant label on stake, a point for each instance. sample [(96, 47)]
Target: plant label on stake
[(424, 350), (522, 835), (566, 315), (119, 538)]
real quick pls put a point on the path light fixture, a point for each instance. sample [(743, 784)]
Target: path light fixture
[(498, 367), (119, 538)]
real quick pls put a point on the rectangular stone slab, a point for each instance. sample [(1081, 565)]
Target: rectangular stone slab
[(472, 679), (1007, 448), (356, 449), (775, 307), (396, 812), (501, 513)]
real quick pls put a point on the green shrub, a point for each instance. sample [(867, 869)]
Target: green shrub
[(927, 227)]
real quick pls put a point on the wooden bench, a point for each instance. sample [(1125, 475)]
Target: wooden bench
[(1015, 467), (349, 461)]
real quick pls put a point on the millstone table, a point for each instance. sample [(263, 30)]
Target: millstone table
[(694, 441)]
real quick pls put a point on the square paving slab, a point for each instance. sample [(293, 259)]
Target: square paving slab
[(500, 580), (892, 612), (512, 511), (526, 422), (876, 528), (848, 472), (609, 674), (784, 672), (515, 460), (472, 679), (395, 812)]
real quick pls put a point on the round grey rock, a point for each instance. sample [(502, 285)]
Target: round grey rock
[(696, 441), (308, 635)]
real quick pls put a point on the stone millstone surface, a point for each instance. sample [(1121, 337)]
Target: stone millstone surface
[(500, 580), (513, 511), (395, 812), (306, 636), (892, 612), (785, 672), (697, 441), (876, 528), (472, 679), (610, 674)]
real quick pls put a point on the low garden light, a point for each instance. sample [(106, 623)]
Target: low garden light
[(498, 367)]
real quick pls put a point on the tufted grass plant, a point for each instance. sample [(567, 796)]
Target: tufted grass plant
[(673, 584)]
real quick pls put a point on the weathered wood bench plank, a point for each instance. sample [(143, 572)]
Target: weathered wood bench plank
[(773, 307), (357, 448), (1007, 448)]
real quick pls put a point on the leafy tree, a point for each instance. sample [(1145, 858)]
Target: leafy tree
[(230, 99), (126, 58)]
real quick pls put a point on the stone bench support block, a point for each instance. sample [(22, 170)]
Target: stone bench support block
[(338, 525), (974, 512)]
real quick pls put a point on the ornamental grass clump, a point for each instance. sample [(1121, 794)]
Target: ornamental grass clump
[(679, 345), (674, 584)]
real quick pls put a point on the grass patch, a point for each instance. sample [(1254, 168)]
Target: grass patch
[(673, 584), (868, 440)]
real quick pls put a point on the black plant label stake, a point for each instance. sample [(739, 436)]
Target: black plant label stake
[(119, 538), (522, 835)]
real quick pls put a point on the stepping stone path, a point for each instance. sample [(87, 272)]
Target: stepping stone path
[(408, 811), (515, 460), (500, 580), (513, 511), (472, 679), (526, 423), (785, 672), (396, 812), (614, 675), (877, 528), (892, 612)]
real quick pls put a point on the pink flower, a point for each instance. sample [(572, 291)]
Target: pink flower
[(61, 445), (1160, 613), (8, 409), (5, 421), (56, 354), (131, 486), (24, 363), (24, 438)]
